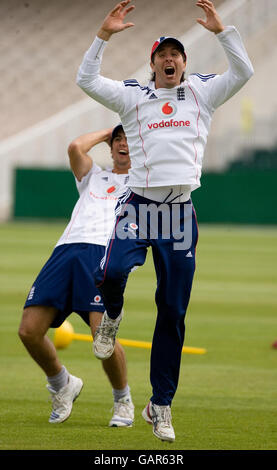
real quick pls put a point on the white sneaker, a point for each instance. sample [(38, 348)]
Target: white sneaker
[(62, 400), (160, 417), (123, 413), (104, 338)]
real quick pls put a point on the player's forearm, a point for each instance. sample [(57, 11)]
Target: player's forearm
[(84, 143), (236, 53), (80, 162), (92, 59), (102, 89), (240, 68), (104, 35)]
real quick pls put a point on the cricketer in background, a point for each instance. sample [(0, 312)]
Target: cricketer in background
[(65, 284)]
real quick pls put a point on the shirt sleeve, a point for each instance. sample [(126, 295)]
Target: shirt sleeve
[(110, 93), (223, 87), (81, 185)]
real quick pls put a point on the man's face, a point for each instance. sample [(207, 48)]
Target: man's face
[(168, 65), (120, 150)]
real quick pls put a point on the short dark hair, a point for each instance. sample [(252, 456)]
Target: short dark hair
[(116, 131)]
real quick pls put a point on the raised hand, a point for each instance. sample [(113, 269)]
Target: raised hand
[(114, 21), (108, 138), (213, 22)]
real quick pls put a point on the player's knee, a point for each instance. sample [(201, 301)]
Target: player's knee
[(25, 333), (28, 333), (170, 313), (111, 273), (115, 273)]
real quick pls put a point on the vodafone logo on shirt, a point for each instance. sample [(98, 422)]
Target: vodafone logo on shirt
[(168, 109), (111, 189), (170, 123)]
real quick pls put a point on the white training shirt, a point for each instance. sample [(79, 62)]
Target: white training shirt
[(167, 129), (93, 216)]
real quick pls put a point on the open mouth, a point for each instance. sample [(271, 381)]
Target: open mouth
[(169, 70), (123, 152)]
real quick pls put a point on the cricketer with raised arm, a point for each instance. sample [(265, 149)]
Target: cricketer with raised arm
[(166, 125)]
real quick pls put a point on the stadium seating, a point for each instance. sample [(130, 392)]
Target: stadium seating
[(43, 44), (42, 108)]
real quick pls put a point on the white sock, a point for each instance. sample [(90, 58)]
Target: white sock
[(121, 393), (60, 380)]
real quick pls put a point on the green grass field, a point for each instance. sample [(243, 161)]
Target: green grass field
[(226, 399)]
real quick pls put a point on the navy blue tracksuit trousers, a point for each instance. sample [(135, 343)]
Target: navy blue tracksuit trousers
[(135, 231)]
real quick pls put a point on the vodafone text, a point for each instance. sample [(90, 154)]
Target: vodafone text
[(170, 123)]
